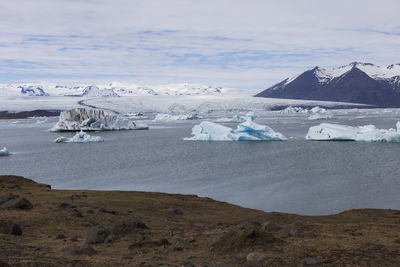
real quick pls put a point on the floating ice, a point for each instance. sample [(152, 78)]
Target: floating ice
[(168, 117), (318, 110), (248, 130), (290, 110), (367, 133), (80, 137), (318, 113), (320, 116), (88, 119), (4, 152), (234, 119)]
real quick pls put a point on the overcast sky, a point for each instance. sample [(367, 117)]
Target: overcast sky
[(243, 44)]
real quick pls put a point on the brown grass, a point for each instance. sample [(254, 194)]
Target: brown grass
[(364, 237)]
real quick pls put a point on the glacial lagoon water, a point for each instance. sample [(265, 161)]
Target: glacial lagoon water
[(295, 176)]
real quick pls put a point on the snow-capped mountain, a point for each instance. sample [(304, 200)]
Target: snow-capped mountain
[(114, 89), (357, 83), (32, 90)]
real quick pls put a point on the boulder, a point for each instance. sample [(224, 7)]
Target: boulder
[(7, 227), (126, 227), (17, 203), (174, 211), (97, 234), (4, 199), (256, 256), (86, 249)]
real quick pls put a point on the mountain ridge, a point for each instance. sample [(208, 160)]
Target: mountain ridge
[(113, 89), (357, 82)]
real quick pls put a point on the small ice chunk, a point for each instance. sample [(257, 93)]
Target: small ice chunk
[(248, 130), (234, 119), (4, 152), (318, 110), (320, 116), (80, 137), (293, 110), (180, 117), (367, 133)]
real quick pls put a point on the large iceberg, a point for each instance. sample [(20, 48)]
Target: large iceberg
[(80, 137), (89, 119), (4, 152), (248, 130), (367, 133), (180, 117)]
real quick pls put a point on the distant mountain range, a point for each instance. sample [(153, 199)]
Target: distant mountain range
[(355, 83), (114, 89)]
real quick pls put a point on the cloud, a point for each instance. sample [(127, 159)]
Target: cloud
[(246, 44)]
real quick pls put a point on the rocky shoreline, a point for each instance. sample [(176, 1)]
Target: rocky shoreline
[(44, 227)]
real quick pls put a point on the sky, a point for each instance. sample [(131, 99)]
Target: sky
[(242, 44)]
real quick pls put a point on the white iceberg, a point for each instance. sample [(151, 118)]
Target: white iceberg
[(80, 137), (318, 110), (4, 152), (367, 133), (180, 117), (318, 113), (248, 130), (320, 116), (89, 119), (291, 110), (234, 119)]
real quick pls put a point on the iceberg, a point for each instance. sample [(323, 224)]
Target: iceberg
[(89, 119), (234, 119), (246, 131), (318, 113), (80, 137), (292, 110), (367, 133), (320, 116), (318, 110), (4, 152), (181, 117)]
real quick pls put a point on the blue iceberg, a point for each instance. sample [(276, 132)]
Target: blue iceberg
[(246, 131)]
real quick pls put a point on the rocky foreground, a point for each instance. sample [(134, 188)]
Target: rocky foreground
[(44, 227)]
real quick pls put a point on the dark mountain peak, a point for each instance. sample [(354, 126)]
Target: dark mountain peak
[(357, 82)]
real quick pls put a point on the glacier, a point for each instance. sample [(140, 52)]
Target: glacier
[(246, 131), (80, 137), (4, 152), (168, 117), (89, 119), (366, 133)]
